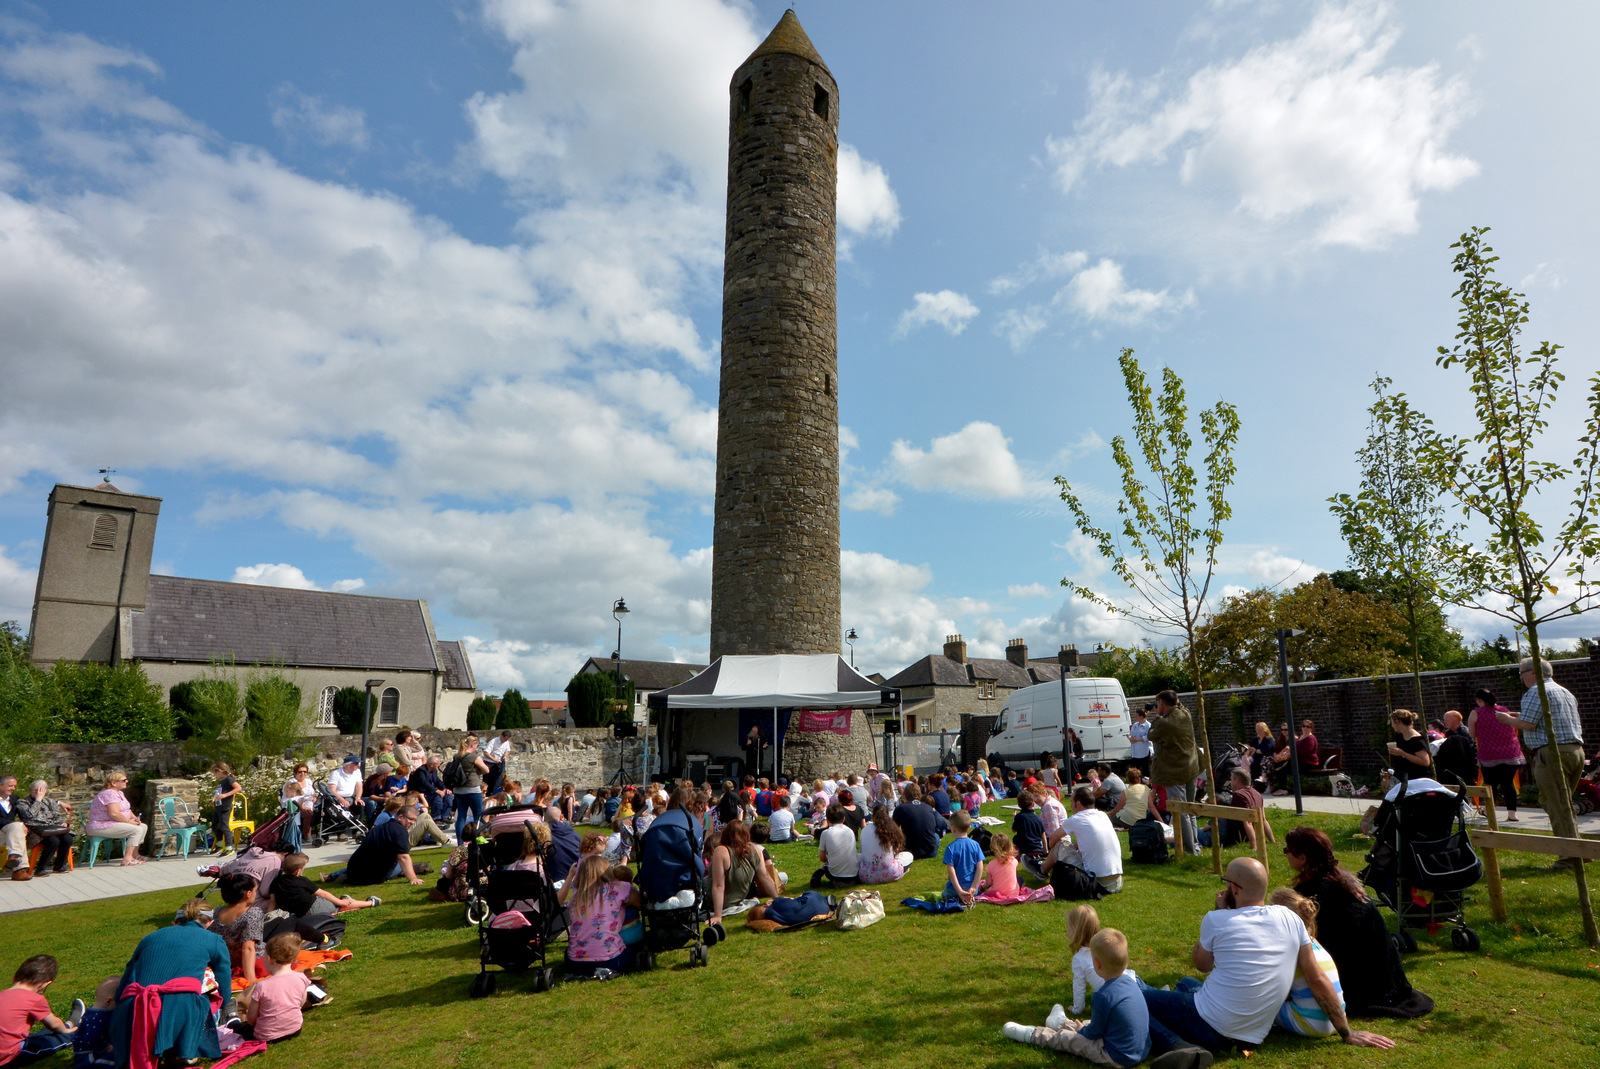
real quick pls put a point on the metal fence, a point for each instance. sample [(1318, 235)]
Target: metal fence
[(927, 752)]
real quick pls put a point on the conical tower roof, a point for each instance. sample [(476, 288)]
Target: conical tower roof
[(789, 39)]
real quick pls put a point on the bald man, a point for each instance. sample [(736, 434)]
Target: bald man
[(1457, 755), (1251, 951)]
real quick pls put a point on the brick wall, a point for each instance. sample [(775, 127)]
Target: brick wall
[(1352, 714)]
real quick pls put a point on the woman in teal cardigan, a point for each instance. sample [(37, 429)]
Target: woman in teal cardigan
[(186, 1027)]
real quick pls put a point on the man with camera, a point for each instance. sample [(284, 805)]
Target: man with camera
[(1176, 763)]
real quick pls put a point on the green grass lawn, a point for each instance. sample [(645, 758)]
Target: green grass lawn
[(915, 990)]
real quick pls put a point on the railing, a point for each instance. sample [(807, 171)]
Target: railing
[(1219, 813)]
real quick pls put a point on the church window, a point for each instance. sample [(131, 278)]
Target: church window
[(105, 532), (389, 707), (325, 708), (819, 103)]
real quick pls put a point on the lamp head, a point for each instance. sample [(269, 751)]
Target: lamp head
[(620, 608), (851, 636), (374, 683)]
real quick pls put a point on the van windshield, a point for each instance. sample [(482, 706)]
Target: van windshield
[(1000, 722)]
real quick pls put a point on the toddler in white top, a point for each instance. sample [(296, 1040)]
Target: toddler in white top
[(1082, 924)]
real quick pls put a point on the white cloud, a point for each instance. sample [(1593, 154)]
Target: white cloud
[(975, 460), (288, 575), (299, 114), (1321, 127), (1046, 265), (867, 204), (947, 309), (877, 499), (1019, 326), (1100, 292), (347, 586), (16, 590), (1032, 590)]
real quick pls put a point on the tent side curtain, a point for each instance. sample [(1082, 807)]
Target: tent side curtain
[(779, 681)]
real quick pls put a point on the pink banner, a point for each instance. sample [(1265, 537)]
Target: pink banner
[(834, 720)]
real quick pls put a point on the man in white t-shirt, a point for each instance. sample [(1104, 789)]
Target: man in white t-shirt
[(1089, 843), (1251, 951), (345, 782), (494, 755)]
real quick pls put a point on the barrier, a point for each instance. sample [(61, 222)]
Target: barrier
[(1258, 817), (1491, 840)]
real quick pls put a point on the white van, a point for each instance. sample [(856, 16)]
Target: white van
[(1030, 722)]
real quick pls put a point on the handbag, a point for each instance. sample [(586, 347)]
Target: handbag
[(859, 909)]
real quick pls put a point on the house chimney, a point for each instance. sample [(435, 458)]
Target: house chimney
[(1017, 652), (955, 648), (1068, 657)]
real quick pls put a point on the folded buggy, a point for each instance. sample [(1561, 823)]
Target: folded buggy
[(672, 877), (1422, 863), (518, 914), (334, 820)]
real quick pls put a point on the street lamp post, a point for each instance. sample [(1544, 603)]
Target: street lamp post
[(618, 611), (1284, 635), (366, 721), (850, 638)]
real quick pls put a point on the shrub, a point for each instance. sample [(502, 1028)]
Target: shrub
[(275, 719), (205, 708), (348, 705), (25, 704), (480, 715), (514, 711), (587, 695), (101, 703)]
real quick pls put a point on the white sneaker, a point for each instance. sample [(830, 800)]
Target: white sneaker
[(1057, 1018), (1022, 1033)]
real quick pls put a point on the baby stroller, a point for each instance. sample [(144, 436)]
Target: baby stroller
[(521, 915), (672, 874), (1420, 868), (334, 820), (265, 837)]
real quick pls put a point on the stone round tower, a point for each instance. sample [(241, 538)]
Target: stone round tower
[(775, 554)]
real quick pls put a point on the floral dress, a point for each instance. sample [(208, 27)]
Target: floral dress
[(594, 934)]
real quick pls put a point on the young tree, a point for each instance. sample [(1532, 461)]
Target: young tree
[(480, 714), (275, 715), (1345, 634), (349, 706), (514, 711), (1395, 525), (587, 695), (1517, 568), (1166, 550)]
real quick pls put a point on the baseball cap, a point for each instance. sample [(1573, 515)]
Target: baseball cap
[(351, 759)]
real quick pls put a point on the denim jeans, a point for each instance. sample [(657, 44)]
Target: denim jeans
[(1184, 792), (468, 807), (40, 1045), (1174, 1022)]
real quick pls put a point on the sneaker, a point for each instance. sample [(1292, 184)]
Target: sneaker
[(1022, 1033), (603, 974), (202, 870), (76, 1015), (1057, 1018), (375, 900), (1280, 794), (323, 1001), (42, 873), (1183, 1058)]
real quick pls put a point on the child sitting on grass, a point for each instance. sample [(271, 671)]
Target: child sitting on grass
[(23, 1004), (1001, 877), (1118, 1030), (1026, 828), (273, 1010), (963, 862), (972, 796), (1083, 923)]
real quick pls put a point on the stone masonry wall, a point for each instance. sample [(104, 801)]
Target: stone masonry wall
[(775, 555), (1352, 714), (809, 755)]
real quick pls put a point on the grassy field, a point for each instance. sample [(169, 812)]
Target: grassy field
[(913, 991)]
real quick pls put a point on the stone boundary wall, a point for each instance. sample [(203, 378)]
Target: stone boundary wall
[(1352, 714)]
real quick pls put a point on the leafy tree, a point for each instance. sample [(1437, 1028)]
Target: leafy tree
[(1516, 569), (205, 708), (1346, 634), (1165, 552), (480, 714), (349, 704), (275, 714), (514, 711), (26, 699), (1440, 644), (102, 703), (587, 695), (1145, 669), (1394, 524)]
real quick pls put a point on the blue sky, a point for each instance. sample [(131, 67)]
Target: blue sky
[(423, 299)]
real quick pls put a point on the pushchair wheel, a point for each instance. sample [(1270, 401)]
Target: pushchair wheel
[(700, 955), (1464, 939), (482, 985), (544, 979), (645, 961), (1405, 941)]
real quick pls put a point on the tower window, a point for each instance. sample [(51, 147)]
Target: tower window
[(827, 384), (744, 95), (105, 532), (389, 707), (819, 103)]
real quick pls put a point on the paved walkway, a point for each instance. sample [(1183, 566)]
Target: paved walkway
[(110, 879), (1531, 819)]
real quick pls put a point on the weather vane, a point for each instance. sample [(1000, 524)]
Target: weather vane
[(108, 473)]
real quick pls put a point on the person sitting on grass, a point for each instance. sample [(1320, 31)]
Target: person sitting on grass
[(452, 885), (852, 814), (241, 924), (1300, 1012), (922, 826), (1251, 951), (1134, 803), (23, 1005), (1052, 814), (535, 841), (738, 872), (963, 862), (1000, 877), (1117, 1032), (384, 854), (972, 796), (91, 1043), (274, 1007), (299, 897), (841, 864), (780, 825), (1244, 797), (1088, 843), (597, 905), (1027, 830), (884, 857), (1108, 795), (165, 979)]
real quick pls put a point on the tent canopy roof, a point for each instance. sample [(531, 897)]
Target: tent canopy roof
[(778, 681)]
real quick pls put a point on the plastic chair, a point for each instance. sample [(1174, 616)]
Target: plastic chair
[(240, 819), (91, 848), (184, 834), (33, 857)]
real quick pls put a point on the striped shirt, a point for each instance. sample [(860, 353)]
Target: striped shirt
[(1563, 715), (1300, 1013)]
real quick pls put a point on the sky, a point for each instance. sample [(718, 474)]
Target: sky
[(423, 300)]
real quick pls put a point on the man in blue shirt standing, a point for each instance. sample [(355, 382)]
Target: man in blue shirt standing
[(1566, 749)]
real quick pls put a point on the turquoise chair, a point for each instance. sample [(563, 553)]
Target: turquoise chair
[(184, 835), (91, 848)]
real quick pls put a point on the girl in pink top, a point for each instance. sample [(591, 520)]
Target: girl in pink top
[(595, 916), (1002, 871)]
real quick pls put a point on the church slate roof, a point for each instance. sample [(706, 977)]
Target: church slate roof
[(457, 669), (199, 620), (647, 675)]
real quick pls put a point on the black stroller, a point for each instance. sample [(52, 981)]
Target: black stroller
[(519, 916), (1422, 863), (670, 868), (334, 820)]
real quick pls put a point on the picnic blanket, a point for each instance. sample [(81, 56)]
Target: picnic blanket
[(1023, 896), (987, 820), (765, 925), (305, 962), (934, 903)]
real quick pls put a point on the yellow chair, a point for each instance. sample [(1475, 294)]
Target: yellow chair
[(240, 818)]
